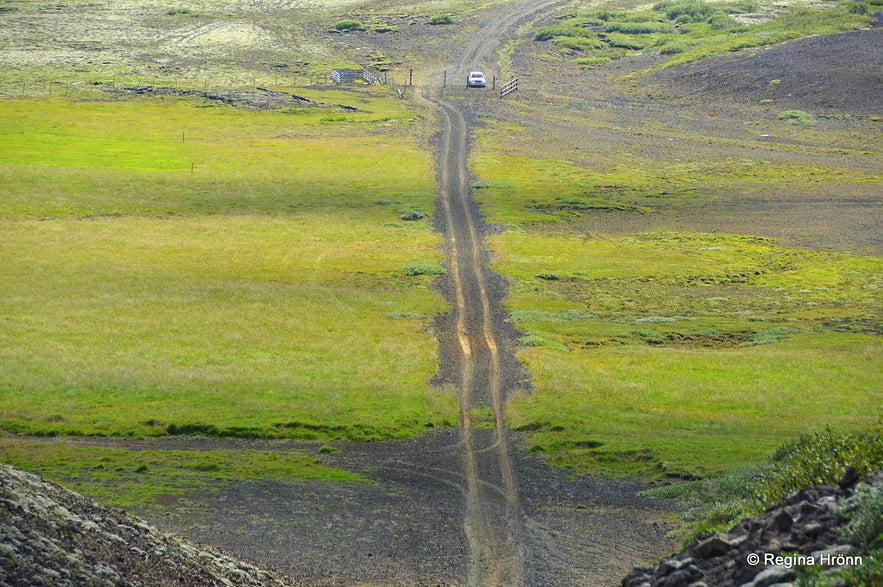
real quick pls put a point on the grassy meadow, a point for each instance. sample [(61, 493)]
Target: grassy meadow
[(689, 353), (172, 266), (674, 352)]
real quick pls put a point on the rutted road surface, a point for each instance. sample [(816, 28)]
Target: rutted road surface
[(473, 341), (493, 521)]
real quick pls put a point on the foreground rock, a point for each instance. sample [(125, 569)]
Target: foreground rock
[(765, 551), (50, 536)]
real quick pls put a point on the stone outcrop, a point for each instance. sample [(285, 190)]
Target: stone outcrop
[(51, 536), (765, 551)]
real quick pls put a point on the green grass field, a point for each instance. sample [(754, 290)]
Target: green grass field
[(173, 265), (261, 292), (688, 352)]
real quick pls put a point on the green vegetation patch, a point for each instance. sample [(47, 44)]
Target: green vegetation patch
[(441, 19), (179, 267), (797, 117), (238, 322), (135, 477), (816, 458), (689, 353), (688, 30), (525, 190), (184, 157), (660, 412), (348, 24)]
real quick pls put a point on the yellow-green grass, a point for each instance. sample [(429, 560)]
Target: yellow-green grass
[(689, 353), (689, 31), (703, 40), (127, 478), (654, 411), (150, 156), (248, 324), (261, 294), (521, 189)]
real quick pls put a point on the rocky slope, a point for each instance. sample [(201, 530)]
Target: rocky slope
[(804, 530), (51, 536)]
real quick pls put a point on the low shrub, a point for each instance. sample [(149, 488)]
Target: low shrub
[(348, 24), (424, 269), (537, 340), (865, 527), (549, 276), (797, 117), (818, 459), (413, 214), (441, 19)]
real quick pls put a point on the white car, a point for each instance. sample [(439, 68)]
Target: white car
[(476, 80)]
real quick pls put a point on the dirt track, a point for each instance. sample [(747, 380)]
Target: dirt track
[(477, 345)]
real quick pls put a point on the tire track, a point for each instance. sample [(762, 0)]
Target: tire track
[(493, 521)]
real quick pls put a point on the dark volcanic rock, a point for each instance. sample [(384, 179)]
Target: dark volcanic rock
[(51, 536), (753, 554)]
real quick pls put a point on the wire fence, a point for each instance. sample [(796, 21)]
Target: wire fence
[(43, 88), (399, 81)]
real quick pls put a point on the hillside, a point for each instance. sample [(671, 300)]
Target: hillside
[(51, 536), (827, 74)]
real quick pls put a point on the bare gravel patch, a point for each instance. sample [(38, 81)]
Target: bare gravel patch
[(404, 527), (825, 75)]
